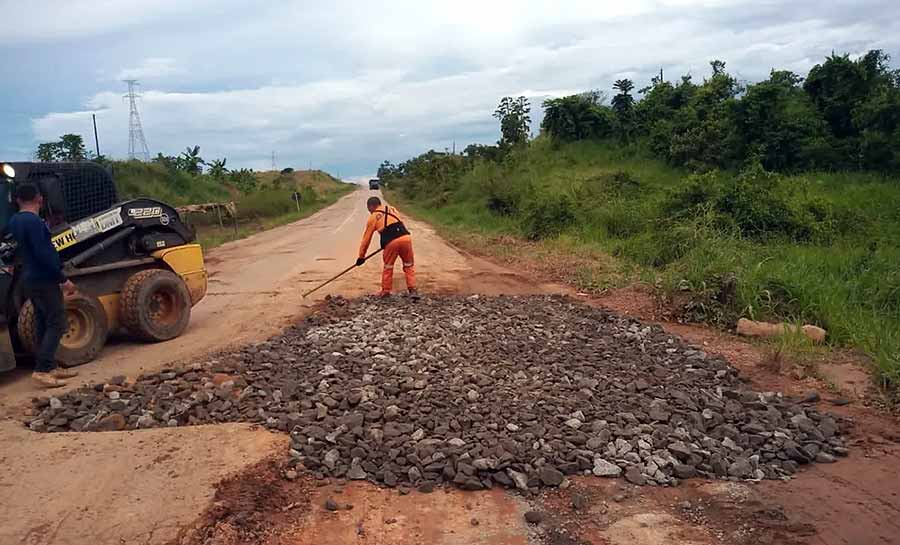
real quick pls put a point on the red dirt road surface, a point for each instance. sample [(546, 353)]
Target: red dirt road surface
[(225, 484)]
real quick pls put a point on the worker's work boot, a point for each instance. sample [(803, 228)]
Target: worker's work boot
[(384, 294), (59, 372), (414, 294), (47, 380)]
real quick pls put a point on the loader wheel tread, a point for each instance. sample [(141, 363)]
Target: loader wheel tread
[(26, 325), (86, 332), (155, 305)]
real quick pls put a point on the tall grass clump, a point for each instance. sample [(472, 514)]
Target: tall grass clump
[(136, 179)]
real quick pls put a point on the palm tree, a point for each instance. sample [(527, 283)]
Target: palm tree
[(217, 168), (623, 105), (190, 160)]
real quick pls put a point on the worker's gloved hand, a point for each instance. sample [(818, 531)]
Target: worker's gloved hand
[(360, 261)]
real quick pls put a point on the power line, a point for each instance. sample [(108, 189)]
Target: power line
[(137, 144)]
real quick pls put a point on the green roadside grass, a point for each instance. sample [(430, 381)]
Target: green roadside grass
[(137, 179), (596, 199)]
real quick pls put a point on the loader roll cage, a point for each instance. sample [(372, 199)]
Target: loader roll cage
[(72, 191)]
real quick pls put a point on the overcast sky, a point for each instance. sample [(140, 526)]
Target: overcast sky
[(343, 85)]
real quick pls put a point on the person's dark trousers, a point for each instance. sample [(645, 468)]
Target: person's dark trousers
[(50, 317)]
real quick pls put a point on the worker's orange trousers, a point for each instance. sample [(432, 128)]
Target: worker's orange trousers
[(402, 248)]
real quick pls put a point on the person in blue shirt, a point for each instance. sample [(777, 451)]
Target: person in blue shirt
[(44, 283)]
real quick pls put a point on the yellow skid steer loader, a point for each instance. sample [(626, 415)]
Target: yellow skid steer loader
[(135, 263)]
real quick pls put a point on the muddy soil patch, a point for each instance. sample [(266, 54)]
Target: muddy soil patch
[(254, 506), (478, 391), (603, 511)]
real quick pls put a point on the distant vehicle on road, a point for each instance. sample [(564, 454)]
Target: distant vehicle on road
[(374, 184)]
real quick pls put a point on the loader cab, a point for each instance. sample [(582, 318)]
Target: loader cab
[(50, 183), (71, 191)]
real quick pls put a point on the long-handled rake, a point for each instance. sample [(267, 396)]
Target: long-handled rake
[(340, 274)]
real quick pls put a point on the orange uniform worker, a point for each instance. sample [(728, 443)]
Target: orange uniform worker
[(395, 241)]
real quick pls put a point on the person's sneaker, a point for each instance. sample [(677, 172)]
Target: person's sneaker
[(414, 293), (47, 380), (59, 372), (384, 294)]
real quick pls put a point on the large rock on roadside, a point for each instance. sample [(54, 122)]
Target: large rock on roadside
[(634, 476), (551, 476), (113, 422), (603, 468)]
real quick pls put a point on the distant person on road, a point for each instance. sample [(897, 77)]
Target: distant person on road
[(44, 283), (395, 241)]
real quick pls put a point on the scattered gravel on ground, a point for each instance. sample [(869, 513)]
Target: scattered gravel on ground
[(477, 391)]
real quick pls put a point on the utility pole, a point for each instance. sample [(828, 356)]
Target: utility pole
[(96, 139), (660, 75), (137, 145)]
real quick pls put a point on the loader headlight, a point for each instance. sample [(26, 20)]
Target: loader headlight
[(9, 171)]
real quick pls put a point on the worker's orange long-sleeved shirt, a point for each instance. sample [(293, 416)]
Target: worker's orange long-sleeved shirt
[(377, 223)]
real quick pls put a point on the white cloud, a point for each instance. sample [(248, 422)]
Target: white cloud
[(154, 67), (361, 82), (41, 21)]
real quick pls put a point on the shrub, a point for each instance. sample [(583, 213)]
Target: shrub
[(548, 215), (503, 196), (622, 182), (604, 188), (266, 203), (697, 190), (243, 179), (308, 195), (620, 220), (757, 204), (283, 181), (577, 117), (660, 247)]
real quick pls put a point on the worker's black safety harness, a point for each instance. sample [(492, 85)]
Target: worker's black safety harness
[(393, 231)]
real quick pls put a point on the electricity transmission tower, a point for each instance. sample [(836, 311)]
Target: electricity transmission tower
[(137, 145)]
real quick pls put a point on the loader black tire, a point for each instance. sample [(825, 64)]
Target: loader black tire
[(26, 327), (86, 334), (155, 305)]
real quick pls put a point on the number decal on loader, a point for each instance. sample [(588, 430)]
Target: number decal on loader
[(145, 213), (87, 228), (109, 220)]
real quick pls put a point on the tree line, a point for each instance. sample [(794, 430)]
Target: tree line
[(843, 115), (71, 148)]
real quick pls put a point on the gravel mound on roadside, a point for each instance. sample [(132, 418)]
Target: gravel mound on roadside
[(477, 391)]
